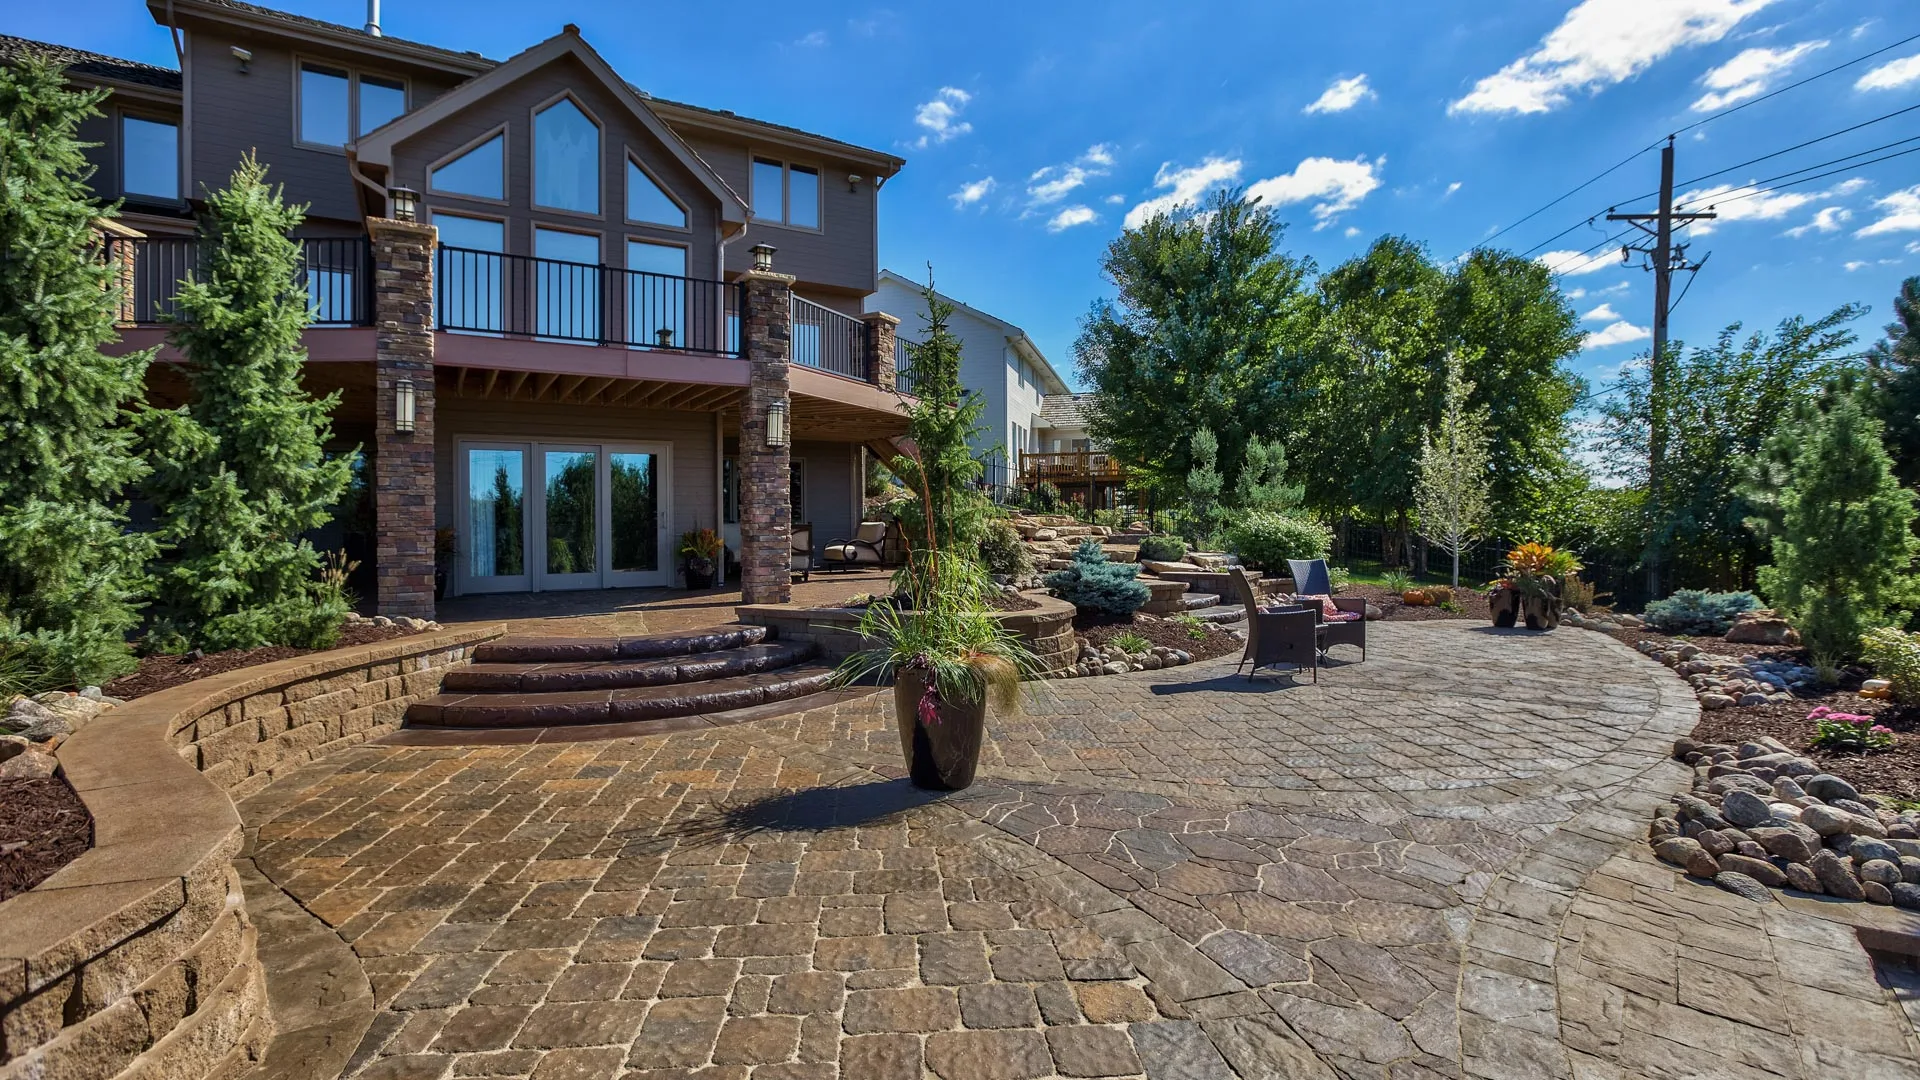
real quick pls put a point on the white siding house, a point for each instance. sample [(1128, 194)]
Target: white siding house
[(997, 360)]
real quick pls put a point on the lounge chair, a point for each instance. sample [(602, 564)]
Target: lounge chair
[(1347, 624), (867, 548), (801, 557), (1275, 635)]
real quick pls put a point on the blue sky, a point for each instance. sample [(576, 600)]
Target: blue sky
[(1033, 131)]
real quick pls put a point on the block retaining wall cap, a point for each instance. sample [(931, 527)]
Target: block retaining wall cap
[(92, 959), (833, 628)]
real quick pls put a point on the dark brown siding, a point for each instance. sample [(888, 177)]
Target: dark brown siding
[(838, 257), (513, 106), (234, 113), (105, 130)]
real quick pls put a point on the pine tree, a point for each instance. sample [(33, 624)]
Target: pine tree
[(1452, 495), (1895, 369), (1839, 523), (241, 473), (71, 575), (1204, 484), (1263, 479)]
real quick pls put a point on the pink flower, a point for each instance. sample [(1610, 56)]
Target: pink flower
[(1818, 713), (929, 707), (1882, 729)]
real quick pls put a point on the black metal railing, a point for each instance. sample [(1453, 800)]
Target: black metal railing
[(903, 364), (825, 339), (337, 273), (485, 292)]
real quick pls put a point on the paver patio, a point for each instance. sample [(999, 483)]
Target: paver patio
[(1424, 866)]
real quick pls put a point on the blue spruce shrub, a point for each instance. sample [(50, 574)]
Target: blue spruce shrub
[(1094, 584), (1696, 613)]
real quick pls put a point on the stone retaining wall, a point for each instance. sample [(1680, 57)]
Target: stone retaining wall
[(1047, 629), (138, 958)]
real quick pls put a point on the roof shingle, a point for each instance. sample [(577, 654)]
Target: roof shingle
[(89, 65)]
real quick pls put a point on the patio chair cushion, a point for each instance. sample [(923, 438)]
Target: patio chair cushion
[(1328, 612)]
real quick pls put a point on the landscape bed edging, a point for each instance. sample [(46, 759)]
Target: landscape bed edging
[(139, 957)]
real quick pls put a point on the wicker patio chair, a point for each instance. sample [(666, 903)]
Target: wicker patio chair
[(1287, 636), (1311, 578)]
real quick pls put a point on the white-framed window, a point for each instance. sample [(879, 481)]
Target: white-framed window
[(566, 158), (786, 193), (149, 157), (336, 104), (648, 201), (477, 172)]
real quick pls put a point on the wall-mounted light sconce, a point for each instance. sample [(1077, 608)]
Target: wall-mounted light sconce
[(245, 56), (406, 203), (763, 256), (664, 337), (853, 183), (777, 424), (404, 405)]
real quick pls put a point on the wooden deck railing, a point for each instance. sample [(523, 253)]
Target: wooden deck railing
[(1070, 467)]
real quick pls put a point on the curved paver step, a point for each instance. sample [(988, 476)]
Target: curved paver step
[(485, 710), (1223, 613), (1196, 601), (618, 674), (560, 650)]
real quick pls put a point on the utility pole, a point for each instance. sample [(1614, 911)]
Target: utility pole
[(1663, 258)]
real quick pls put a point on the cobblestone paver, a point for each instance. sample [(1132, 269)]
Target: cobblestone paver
[(1162, 875)]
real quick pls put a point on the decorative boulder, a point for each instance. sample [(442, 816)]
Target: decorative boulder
[(1761, 627)]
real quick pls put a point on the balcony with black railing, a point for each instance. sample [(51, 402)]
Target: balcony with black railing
[(486, 292), (825, 339), (337, 273)]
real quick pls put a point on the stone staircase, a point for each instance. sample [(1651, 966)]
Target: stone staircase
[(658, 682)]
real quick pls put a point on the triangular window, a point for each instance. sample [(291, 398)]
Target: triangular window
[(647, 201), (479, 172)]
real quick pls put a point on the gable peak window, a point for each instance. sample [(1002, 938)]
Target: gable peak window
[(566, 158), (648, 202), (149, 158), (786, 193), (338, 105), (479, 172)]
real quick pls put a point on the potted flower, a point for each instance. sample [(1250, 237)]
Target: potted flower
[(699, 548), (1530, 590), (444, 552)]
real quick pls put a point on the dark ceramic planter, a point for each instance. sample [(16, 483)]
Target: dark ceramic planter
[(698, 579), (1505, 604), (940, 756)]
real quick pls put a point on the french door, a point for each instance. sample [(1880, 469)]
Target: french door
[(546, 516)]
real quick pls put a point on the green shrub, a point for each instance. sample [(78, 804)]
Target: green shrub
[(1268, 540), (1195, 626), (1002, 551), (1697, 613), (1132, 644), (1094, 584), (1163, 548), (1396, 581), (1339, 577), (1894, 656)]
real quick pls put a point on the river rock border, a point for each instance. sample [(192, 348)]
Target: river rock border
[(1723, 682), (139, 957), (1761, 817)]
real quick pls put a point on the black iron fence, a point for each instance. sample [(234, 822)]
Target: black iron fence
[(337, 273), (903, 364), (825, 339), (486, 292)]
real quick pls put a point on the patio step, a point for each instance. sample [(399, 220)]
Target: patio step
[(1198, 601), (668, 703), (1221, 614), (620, 674), (561, 650)]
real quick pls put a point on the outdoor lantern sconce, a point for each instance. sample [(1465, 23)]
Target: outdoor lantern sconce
[(777, 424), (406, 203), (244, 56), (664, 337), (763, 257), (404, 405)]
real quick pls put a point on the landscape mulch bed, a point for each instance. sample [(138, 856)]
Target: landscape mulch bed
[(1472, 604), (1214, 641), (43, 827), (157, 673)]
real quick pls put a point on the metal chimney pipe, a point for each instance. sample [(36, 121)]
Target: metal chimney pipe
[(373, 17)]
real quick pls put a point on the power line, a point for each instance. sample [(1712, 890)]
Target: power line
[(1777, 153), (1575, 191), (1579, 257), (1792, 85), (1816, 176)]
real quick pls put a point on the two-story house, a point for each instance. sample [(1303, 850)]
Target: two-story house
[(998, 361), (569, 320)]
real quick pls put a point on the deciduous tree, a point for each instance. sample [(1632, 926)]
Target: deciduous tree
[(1452, 498)]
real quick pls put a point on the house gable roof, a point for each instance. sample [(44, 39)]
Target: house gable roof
[(92, 66), (1064, 410), (1015, 335), (376, 147)]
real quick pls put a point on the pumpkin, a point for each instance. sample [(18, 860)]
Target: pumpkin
[(1416, 598)]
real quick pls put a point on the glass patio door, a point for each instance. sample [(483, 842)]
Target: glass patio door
[(639, 547), (570, 496), (491, 535)]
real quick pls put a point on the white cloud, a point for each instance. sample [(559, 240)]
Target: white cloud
[(972, 193), (1055, 182), (1114, 200), (816, 39), (941, 116), (1914, 248), (1338, 185), (1603, 313), (1600, 43), (1575, 263), (1575, 294), (1857, 264), (1748, 74), (1341, 95), (1614, 289), (1752, 205), (1352, 231), (1183, 186), (1828, 219), (1901, 213), (1619, 333), (1891, 75), (1071, 216), (1451, 188)]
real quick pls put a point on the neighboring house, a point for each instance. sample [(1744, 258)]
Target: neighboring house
[(1063, 424), (997, 360), (595, 358)]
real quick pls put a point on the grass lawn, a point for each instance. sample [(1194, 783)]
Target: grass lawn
[(1373, 572)]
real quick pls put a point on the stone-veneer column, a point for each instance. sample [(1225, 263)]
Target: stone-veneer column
[(766, 495), (403, 462), (881, 328)]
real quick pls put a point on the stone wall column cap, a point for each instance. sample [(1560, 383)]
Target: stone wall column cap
[(877, 317), (418, 230), (770, 277)]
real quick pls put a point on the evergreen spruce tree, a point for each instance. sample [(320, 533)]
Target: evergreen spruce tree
[(240, 474), (71, 575), (1894, 365), (942, 473), (1263, 479), (1453, 494), (1204, 484), (1840, 525)]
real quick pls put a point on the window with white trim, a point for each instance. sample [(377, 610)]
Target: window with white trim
[(566, 158), (338, 105), (149, 158), (786, 193)]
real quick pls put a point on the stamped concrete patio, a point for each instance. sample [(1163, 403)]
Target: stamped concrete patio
[(1425, 866)]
